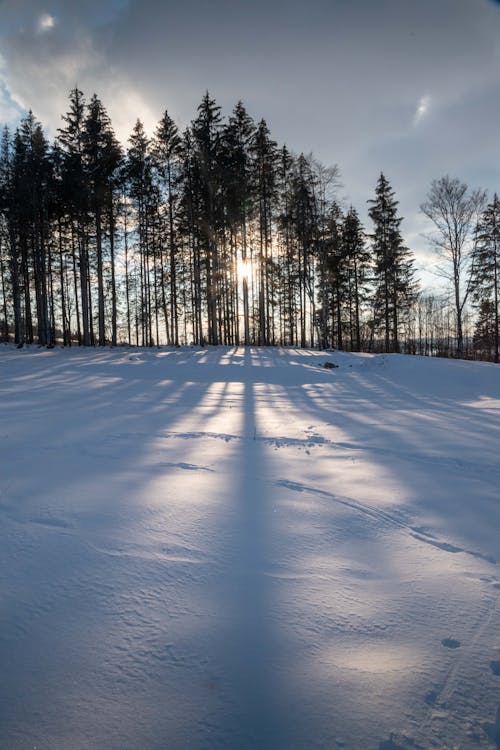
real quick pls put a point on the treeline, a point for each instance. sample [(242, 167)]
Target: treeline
[(215, 235)]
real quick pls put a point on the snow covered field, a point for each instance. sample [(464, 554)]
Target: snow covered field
[(238, 548)]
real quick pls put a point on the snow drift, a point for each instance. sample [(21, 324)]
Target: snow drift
[(240, 548)]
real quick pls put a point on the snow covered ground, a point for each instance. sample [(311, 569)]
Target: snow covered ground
[(241, 549)]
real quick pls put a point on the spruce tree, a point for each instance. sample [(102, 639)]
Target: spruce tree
[(485, 339), (393, 270), (357, 261), (166, 150), (265, 157), (76, 190), (206, 130), (102, 156), (239, 199), (139, 180), (486, 267)]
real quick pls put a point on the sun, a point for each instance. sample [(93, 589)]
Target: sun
[(243, 268)]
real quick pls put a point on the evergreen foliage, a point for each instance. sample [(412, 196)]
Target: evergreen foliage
[(486, 277), (393, 271), (214, 235)]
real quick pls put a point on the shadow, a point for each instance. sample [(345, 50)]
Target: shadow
[(104, 570), (414, 439), (247, 645), (390, 745), (239, 549)]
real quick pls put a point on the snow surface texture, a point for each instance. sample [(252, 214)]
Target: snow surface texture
[(241, 549)]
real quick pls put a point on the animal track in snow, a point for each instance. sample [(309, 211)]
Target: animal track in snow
[(431, 697), (495, 667), (183, 465), (16, 514), (197, 435), (385, 517), (451, 643)]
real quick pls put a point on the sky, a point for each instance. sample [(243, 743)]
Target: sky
[(407, 87)]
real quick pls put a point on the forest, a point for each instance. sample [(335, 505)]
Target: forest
[(218, 235)]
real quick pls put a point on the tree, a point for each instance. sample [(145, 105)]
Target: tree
[(486, 267), (138, 174), (331, 276), (75, 194), (393, 265), (184, 230), (206, 135), (326, 248), (264, 154), (102, 156), (166, 155), (357, 262), (9, 275), (39, 176), (239, 194), (27, 180), (454, 211), (486, 330)]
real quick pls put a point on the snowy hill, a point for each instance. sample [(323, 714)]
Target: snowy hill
[(239, 548)]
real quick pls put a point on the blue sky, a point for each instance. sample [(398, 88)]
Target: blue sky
[(408, 88)]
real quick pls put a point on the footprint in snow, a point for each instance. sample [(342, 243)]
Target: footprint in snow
[(451, 643), (431, 698), (495, 667), (390, 745), (496, 729)]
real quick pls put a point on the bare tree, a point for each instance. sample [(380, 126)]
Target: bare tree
[(455, 210)]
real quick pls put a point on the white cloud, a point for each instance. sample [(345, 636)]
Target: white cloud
[(9, 109), (422, 109), (9, 112), (125, 104), (45, 23), (40, 78)]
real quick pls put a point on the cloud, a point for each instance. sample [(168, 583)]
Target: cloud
[(422, 109), (39, 69), (39, 73), (410, 89), (45, 23), (9, 110)]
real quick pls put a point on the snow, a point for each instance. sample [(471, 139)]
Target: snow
[(238, 548)]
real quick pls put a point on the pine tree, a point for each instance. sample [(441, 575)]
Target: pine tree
[(9, 274), (393, 265), (206, 135), (265, 157), (485, 338), (331, 278), (486, 267), (76, 192), (239, 199), (288, 258), (139, 178), (300, 222), (166, 149), (29, 233), (189, 220), (40, 177), (357, 262), (4, 242), (327, 249), (102, 156)]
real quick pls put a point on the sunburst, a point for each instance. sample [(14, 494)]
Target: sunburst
[(244, 268)]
